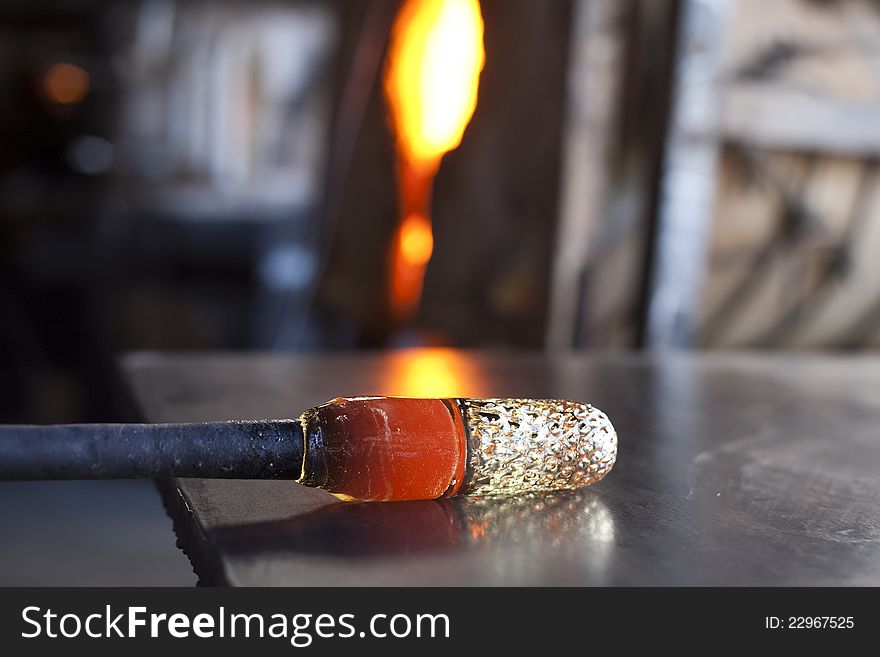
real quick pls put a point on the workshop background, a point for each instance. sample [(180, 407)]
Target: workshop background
[(229, 175)]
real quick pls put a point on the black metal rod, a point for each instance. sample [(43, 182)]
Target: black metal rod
[(268, 449)]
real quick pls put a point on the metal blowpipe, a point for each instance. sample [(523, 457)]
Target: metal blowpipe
[(358, 448)]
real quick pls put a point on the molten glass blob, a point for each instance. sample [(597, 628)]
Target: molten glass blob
[(406, 449), (398, 448)]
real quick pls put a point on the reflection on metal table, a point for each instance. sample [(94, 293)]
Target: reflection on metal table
[(732, 470)]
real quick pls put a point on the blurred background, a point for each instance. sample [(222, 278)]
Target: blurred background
[(311, 176)]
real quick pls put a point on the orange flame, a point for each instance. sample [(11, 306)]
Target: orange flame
[(431, 81)]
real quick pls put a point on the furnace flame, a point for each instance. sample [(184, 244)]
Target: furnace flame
[(431, 82), (434, 65)]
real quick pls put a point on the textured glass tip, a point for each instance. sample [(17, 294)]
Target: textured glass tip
[(526, 445)]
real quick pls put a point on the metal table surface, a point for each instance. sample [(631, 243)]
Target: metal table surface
[(732, 470)]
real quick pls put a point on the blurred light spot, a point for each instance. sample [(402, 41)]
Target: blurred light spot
[(289, 267), (416, 240), (433, 373), (411, 251), (90, 154), (66, 84)]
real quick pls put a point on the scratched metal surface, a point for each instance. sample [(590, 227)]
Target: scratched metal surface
[(732, 470)]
